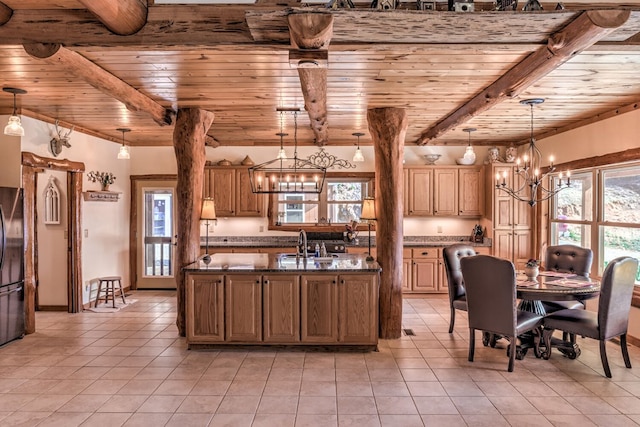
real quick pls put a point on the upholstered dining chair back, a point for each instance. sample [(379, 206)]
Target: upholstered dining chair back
[(569, 259), (455, 282), (616, 291), (491, 293)]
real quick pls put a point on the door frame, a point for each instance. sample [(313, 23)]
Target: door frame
[(133, 221), (33, 164)]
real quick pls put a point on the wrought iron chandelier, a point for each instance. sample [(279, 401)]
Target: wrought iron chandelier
[(290, 175), (528, 175)]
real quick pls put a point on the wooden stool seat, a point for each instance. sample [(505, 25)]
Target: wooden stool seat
[(109, 289)]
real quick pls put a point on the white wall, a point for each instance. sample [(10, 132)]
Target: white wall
[(105, 249)]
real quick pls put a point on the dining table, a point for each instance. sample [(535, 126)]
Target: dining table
[(552, 286)]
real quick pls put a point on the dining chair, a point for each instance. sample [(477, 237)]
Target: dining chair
[(567, 259), (491, 303), (612, 318), (457, 294)]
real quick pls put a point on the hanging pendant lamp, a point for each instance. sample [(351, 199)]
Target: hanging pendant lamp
[(123, 154), (469, 155), (14, 126), (358, 157)]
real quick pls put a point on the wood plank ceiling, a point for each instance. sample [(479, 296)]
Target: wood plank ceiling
[(430, 63)]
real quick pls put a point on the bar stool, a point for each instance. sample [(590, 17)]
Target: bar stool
[(109, 289)]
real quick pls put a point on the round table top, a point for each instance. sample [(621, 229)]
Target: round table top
[(557, 288)]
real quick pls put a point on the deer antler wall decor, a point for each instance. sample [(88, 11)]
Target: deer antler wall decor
[(57, 142)]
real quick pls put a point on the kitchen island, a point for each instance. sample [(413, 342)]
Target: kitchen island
[(281, 299)]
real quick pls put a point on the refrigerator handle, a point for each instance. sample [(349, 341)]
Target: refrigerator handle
[(3, 243)]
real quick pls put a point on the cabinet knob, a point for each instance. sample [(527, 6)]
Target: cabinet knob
[(342, 282), (266, 282), (258, 282), (333, 281), (425, 253)]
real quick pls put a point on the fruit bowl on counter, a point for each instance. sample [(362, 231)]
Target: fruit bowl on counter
[(431, 159)]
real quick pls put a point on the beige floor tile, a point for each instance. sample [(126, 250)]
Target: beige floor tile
[(146, 419), (417, 374), (161, 403), (612, 420), (65, 419), (252, 374), (556, 406), (175, 387), (474, 405), (220, 374), (105, 386), (231, 420), (394, 405), (239, 405), (140, 387), (189, 420), (570, 420), (352, 374), (355, 388), (354, 405), (317, 405), (512, 405), (84, 403), (286, 374), (385, 388), (426, 388), (48, 403), (435, 406), (200, 404), (316, 421), (106, 419), (628, 405), (485, 420), (349, 420), (318, 374), (246, 388), (278, 405), (591, 405), (443, 420), (401, 420), (318, 388), (123, 403), (282, 388), (274, 420), (206, 387)]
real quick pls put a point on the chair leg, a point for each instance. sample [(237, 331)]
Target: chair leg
[(453, 319), (603, 358), (625, 350), (512, 353), (98, 293), (472, 343)]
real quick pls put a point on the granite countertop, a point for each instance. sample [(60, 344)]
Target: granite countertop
[(363, 242), (276, 263)]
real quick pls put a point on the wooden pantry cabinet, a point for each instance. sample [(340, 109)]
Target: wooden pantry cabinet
[(282, 308), (511, 220), (230, 188), (444, 191)]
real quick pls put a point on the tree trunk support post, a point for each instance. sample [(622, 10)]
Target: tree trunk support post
[(189, 137), (388, 128)]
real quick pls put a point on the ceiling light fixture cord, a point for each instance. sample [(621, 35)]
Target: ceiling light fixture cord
[(528, 171)]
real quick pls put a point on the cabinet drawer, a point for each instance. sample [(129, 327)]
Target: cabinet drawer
[(428, 253)]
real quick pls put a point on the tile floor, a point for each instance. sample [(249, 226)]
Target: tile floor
[(130, 369)]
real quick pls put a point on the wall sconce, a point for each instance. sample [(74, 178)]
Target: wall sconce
[(14, 127), (123, 154)]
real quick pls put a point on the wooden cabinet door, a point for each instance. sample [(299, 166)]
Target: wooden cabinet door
[(406, 275), (521, 247), (470, 192), (522, 212), (247, 203), (420, 193), (243, 307), (205, 308), (503, 244), (319, 308), (222, 190), (425, 274), (281, 319), (445, 192), (503, 202), (357, 318), (443, 283)]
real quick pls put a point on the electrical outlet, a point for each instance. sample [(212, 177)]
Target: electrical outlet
[(261, 229), (439, 229), (86, 232)]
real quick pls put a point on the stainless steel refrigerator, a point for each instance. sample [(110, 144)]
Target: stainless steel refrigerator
[(11, 264)]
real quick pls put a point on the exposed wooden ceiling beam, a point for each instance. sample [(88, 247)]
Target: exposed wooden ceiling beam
[(123, 17), (583, 32), (5, 13), (312, 32), (101, 79)]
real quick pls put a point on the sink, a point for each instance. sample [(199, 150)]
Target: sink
[(290, 255)]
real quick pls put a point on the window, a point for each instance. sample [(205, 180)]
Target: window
[(606, 220), (339, 203)]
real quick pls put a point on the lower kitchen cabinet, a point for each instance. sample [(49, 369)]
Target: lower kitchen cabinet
[(281, 317), (425, 270), (205, 313), (358, 313), (319, 308), (243, 307), (280, 308)]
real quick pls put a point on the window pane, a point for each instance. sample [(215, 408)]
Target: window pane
[(622, 195), (571, 234), (344, 191), (305, 197), (296, 213), (575, 202), (344, 212), (619, 241)]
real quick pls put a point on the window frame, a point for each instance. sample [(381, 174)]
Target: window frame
[(272, 211)]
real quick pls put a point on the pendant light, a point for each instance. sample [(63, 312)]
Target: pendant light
[(529, 171), (123, 154), (469, 154), (14, 127), (358, 157), (281, 153)]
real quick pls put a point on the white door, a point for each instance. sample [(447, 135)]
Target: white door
[(155, 237)]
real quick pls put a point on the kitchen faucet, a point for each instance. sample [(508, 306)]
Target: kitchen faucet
[(302, 245)]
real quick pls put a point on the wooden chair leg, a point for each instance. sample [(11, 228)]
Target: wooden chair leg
[(472, 343), (113, 293), (625, 350), (98, 294), (453, 319), (603, 358), (121, 292)]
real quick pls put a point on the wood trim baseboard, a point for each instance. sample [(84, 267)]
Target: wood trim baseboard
[(635, 299), (53, 308), (633, 340)]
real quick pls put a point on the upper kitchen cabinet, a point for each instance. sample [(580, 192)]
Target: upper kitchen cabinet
[(230, 188), (444, 191)]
